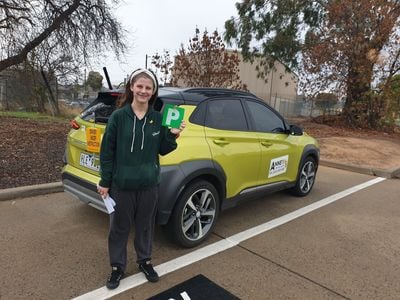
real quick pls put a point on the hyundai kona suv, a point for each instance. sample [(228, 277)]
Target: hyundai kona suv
[(234, 147)]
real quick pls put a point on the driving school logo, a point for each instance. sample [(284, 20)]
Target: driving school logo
[(278, 166)]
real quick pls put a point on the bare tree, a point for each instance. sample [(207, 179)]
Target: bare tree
[(206, 62), (163, 63), (73, 29)]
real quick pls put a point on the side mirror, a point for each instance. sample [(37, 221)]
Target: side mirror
[(295, 130)]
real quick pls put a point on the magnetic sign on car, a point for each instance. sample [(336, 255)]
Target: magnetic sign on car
[(93, 139)]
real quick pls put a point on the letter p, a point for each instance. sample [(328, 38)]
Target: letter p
[(172, 115)]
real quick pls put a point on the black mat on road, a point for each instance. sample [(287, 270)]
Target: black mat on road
[(196, 288)]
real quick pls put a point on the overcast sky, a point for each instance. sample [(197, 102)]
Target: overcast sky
[(154, 25)]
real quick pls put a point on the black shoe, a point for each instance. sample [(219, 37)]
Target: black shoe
[(115, 277), (149, 272)]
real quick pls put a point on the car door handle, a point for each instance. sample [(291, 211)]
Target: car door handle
[(220, 142), (266, 144)]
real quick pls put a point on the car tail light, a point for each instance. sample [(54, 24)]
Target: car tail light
[(74, 124)]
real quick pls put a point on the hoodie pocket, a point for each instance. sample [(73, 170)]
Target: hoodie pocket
[(133, 177)]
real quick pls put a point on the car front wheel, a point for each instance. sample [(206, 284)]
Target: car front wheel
[(195, 214), (306, 177)]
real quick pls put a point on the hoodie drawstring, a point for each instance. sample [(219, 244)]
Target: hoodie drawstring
[(133, 136), (144, 123), (134, 129)]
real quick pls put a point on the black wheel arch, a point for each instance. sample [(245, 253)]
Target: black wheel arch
[(309, 150), (174, 179)]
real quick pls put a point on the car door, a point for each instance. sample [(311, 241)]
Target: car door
[(232, 145), (280, 153)]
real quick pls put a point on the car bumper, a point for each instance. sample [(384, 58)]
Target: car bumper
[(83, 190), (86, 189)]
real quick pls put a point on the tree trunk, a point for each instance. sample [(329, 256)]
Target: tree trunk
[(358, 87), (40, 100), (52, 100)]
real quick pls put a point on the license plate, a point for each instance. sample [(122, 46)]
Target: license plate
[(89, 161)]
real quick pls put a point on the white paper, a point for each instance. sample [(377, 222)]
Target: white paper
[(110, 203)]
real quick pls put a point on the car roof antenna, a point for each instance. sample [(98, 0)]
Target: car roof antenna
[(107, 78)]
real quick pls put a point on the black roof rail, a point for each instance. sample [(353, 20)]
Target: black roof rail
[(193, 96), (209, 92), (113, 91)]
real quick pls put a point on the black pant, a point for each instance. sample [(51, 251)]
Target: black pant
[(137, 207)]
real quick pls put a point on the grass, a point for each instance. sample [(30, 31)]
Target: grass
[(69, 112), (66, 113), (33, 116)]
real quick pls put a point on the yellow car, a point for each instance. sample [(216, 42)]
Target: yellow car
[(234, 147)]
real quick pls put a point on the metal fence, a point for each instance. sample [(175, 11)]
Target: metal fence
[(301, 108)]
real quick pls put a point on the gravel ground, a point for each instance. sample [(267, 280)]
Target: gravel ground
[(31, 151)]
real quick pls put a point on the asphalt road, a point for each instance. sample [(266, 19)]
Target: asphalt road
[(54, 247)]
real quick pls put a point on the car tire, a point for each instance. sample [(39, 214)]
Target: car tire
[(195, 214), (305, 178)]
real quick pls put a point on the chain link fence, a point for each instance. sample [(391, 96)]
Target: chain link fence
[(23, 91), (301, 107)]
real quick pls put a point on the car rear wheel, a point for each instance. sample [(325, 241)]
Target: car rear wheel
[(306, 177), (195, 214)]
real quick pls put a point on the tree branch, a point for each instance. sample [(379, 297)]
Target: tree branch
[(7, 6), (57, 22)]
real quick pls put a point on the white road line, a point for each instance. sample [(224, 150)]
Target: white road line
[(199, 254)]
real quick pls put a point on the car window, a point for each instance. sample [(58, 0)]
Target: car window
[(226, 114), (160, 103), (101, 108), (264, 119), (199, 114), (100, 112)]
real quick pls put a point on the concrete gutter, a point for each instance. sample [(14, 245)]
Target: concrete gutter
[(31, 190), (56, 187), (391, 173)]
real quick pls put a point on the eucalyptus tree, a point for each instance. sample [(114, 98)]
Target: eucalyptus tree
[(331, 44)]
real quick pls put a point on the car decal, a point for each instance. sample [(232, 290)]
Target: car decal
[(278, 166)]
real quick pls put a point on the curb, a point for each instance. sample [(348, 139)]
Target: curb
[(392, 173), (56, 187), (31, 190), (396, 173)]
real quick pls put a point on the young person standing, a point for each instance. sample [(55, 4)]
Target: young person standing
[(130, 171)]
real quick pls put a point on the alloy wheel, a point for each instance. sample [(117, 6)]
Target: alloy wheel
[(307, 176), (198, 214)]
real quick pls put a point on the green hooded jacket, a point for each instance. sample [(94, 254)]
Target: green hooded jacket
[(129, 155)]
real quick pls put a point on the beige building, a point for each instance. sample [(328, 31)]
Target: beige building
[(279, 83), (278, 89)]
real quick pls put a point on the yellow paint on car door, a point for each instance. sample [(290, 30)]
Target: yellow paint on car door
[(238, 152)]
